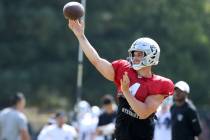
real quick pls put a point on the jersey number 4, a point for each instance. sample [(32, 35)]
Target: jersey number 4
[(134, 88)]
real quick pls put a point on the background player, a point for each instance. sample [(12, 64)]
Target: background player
[(185, 121), (13, 122)]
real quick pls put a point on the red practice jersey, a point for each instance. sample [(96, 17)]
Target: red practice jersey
[(141, 87)]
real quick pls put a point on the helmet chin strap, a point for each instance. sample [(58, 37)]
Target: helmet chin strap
[(137, 66), (146, 73)]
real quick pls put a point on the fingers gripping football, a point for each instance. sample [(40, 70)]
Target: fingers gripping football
[(77, 27)]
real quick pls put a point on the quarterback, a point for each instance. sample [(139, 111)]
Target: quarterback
[(139, 90)]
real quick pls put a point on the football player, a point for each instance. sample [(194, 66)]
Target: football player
[(140, 91)]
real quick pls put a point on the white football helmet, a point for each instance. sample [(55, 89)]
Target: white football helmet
[(83, 107), (150, 49)]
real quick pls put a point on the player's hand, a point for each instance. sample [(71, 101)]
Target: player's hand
[(98, 132), (125, 82), (77, 27)]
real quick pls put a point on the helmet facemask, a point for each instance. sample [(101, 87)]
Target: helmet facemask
[(136, 66)]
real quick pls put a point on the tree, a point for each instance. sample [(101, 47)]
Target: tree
[(38, 53)]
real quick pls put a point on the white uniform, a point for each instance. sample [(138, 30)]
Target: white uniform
[(53, 132), (86, 126), (163, 126)]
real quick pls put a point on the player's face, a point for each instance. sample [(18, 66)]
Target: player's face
[(21, 104), (137, 57), (108, 108), (179, 95), (61, 120)]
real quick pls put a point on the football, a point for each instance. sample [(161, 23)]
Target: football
[(73, 10)]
